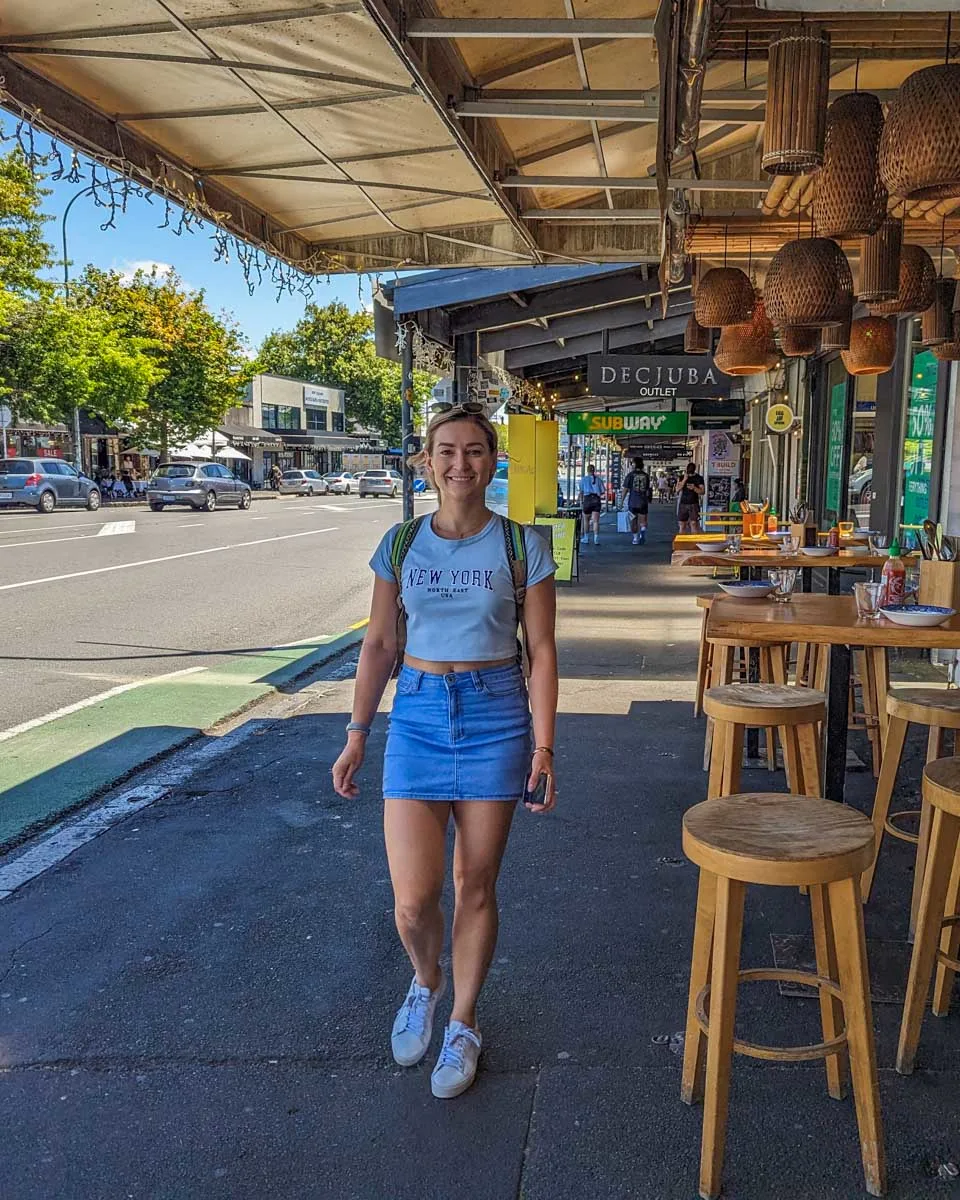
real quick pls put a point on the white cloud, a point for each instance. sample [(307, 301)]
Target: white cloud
[(129, 269)]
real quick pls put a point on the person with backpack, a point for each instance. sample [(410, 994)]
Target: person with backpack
[(451, 591), (592, 492), (636, 492)]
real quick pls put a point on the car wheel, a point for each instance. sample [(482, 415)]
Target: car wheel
[(93, 500), (156, 507), (310, 492), (245, 499), (347, 489), (210, 502), (47, 502), (393, 494)]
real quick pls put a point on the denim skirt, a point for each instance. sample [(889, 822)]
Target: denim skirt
[(461, 736)]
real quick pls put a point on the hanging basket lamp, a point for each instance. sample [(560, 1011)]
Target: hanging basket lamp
[(697, 338), (799, 343), (920, 146), (725, 296), (880, 263), (851, 200), (836, 337), (947, 351), (873, 346), (936, 324), (749, 348), (808, 284), (918, 278), (798, 85)]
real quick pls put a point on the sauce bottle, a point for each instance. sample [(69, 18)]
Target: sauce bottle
[(893, 578), (833, 537), (772, 523)]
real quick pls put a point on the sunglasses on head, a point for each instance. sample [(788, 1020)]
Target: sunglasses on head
[(472, 407)]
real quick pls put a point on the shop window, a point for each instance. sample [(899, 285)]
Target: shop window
[(280, 416), (860, 483), (918, 439), (337, 422), (317, 420)]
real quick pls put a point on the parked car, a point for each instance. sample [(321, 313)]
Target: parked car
[(303, 483), (45, 483), (341, 481), (199, 485), (379, 483), (861, 486)]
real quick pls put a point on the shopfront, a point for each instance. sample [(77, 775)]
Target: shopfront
[(33, 440)]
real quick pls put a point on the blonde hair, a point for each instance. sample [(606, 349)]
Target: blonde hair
[(419, 461)]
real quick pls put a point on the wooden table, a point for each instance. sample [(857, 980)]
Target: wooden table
[(825, 620), (756, 561)]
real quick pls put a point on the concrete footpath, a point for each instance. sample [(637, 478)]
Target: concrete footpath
[(198, 1002)]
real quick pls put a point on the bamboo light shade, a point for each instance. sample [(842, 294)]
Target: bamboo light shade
[(798, 85), (696, 337), (917, 279), (920, 146), (799, 343), (873, 346), (808, 284), (936, 324), (725, 296), (947, 351), (836, 337), (749, 348), (851, 200), (880, 263)]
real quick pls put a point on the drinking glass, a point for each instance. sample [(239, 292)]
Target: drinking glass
[(757, 527), (734, 543), (878, 542), (792, 544), (845, 528), (784, 580), (868, 599)]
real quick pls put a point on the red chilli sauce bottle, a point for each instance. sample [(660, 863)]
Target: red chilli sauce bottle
[(893, 578)]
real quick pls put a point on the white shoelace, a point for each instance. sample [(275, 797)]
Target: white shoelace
[(417, 1003), (452, 1053)]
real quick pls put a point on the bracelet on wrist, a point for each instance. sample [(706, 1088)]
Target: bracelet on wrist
[(359, 727), (544, 750)]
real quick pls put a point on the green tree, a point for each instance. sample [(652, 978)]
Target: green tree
[(23, 251), (333, 347)]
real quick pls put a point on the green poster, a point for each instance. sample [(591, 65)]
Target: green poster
[(614, 423), (918, 438), (835, 432)]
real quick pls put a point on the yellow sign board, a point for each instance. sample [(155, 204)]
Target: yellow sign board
[(780, 418), (564, 544)]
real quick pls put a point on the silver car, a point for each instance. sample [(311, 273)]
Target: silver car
[(379, 483), (45, 483), (341, 481), (199, 485), (303, 483)]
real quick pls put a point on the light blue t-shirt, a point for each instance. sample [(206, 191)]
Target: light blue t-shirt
[(458, 595)]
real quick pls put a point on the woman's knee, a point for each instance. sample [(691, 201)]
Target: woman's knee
[(417, 910), (475, 887)]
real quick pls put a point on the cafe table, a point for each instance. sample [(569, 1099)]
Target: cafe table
[(755, 561), (832, 621)]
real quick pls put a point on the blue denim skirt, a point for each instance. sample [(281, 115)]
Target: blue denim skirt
[(461, 736)]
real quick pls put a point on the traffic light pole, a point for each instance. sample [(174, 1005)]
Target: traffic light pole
[(406, 418)]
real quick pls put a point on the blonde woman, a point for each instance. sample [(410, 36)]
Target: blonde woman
[(459, 743)]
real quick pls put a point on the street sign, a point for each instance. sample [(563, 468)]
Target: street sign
[(780, 418), (655, 376), (6, 416), (620, 424)]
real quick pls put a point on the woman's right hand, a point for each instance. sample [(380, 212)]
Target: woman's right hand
[(348, 764)]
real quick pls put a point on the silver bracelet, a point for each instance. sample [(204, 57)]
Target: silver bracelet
[(358, 727)]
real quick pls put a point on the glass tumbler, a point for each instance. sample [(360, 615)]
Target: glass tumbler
[(868, 599), (878, 543), (792, 544), (784, 580)]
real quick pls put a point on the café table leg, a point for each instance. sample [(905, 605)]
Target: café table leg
[(838, 690), (833, 581), (806, 579)]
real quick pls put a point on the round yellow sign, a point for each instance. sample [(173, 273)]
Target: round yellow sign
[(780, 417)]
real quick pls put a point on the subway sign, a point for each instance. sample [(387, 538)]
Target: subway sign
[(656, 376), (627, 424)]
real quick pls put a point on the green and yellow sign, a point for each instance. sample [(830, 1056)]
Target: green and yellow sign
[(621, 424), (564, 544), (780, 418)]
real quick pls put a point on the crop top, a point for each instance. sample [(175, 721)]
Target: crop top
[(458, 594)]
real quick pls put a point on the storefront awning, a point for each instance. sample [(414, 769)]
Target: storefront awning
[(323, 441), (251, 435)]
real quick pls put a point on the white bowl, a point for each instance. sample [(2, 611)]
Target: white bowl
[(712, 547), (779, 533), (920, 616), (855, 548), (818, 551), (748, 589)]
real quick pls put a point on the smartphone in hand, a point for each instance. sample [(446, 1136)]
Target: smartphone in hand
[(539, 793)]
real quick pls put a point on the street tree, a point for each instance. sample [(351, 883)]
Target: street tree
[(23, 251)]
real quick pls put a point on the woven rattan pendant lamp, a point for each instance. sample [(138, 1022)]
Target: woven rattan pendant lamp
[(697, 338), (920, 146), (947, 351), (851, 201), (917, 279), (808, 284), (937, 323), (873, 346), (747, 349), (880, 263), (836, 337), (725, 296), (799, 343), (798, 85)]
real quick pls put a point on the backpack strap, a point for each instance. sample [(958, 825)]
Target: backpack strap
[(404, 539), (517, 560)]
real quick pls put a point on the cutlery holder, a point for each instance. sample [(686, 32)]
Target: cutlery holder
[(805, 532), (940, 583)]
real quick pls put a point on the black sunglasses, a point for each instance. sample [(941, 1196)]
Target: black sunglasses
[(472, 407)]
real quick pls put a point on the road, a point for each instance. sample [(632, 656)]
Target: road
[(94, 601)]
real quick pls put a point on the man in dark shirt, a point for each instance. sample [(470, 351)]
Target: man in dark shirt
[(688, 501)]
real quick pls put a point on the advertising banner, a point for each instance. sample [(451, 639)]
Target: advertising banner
[(835, 432), (655, 376), (621, 424), (564, 544), (918, 438)]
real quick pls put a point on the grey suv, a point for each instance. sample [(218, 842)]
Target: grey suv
[(379, 483), (43, 483), (200, 485)]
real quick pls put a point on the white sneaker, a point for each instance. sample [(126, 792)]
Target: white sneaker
[(457, 1065), (585, 539), (596, 539), (636, 539), (413, 1026)]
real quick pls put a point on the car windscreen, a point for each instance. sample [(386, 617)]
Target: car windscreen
[(292, 474), (376, 475), (15, 466), (174, 470)]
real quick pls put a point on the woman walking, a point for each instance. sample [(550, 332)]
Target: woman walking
[(459, 742), (592, 492)]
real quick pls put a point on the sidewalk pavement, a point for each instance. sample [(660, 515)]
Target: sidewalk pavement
[(198, 1003)]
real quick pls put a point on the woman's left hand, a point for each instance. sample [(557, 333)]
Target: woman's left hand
[(542, 764)]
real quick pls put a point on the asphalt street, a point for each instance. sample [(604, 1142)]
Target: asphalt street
[(94, 601)]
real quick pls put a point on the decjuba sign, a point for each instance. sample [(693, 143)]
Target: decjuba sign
[(655, 376)]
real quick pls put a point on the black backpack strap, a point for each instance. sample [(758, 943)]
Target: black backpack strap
[(516, 546), (405, 537)]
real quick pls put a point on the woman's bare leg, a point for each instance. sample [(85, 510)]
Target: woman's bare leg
[(415, 836), (482, 830)]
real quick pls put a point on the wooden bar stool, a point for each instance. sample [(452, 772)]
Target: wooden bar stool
[(784, 841), (796, 712), (938, 709), (729, 663), (813, 664), (939, 916), (704, 653)]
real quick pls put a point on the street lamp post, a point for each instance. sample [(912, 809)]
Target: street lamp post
[(77, 456)]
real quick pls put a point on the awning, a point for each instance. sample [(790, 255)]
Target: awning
[(251, 435), (324, 441)]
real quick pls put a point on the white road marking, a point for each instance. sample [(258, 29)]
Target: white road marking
[(38, 525), (114, 527), (77, 537), (6, 734), (147, 562), (196, 524)]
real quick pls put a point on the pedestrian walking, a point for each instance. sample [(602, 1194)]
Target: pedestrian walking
[(663, 486), (688, 500), (636, 492), (592, 491), (459, 741), (275, 476)]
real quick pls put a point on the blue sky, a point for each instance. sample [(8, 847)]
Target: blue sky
[(137, 240)]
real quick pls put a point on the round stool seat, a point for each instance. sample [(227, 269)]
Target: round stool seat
[(765, 704), (771, 838), (926, 706), (705, 599), (941, 784)]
